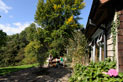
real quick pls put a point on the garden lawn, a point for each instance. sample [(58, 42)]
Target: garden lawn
[(10, 69)]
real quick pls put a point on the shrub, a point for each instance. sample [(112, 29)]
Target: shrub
[(32, 52), (93, 72), (77, 49)]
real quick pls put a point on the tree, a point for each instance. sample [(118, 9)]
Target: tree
[(3, 38), (59, 19), (31, 32), (13, 53), (10, 51), (3, 41), (33, 53)]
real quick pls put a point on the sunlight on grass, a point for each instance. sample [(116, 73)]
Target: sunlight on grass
[(10, 69)]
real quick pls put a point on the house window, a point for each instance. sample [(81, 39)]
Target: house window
[(97, 49)]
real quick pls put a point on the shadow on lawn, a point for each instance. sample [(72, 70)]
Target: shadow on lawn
[(5, 71), (53, 72), (37, 75)]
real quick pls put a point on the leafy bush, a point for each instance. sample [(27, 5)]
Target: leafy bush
[(77, 48), (93, 72), (32, 50)]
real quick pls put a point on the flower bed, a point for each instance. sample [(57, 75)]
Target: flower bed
[(96, 72)]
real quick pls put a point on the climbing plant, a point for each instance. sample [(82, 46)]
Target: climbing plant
[(115, 25)]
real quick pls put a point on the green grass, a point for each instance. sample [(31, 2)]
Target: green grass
[(10, 69)]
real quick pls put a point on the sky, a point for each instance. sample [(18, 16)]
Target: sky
[(19, 14)]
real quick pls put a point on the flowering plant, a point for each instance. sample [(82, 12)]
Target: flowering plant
[(94, 72), (111, 72)]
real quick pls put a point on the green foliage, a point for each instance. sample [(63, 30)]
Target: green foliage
[(77, 48), (3, 38), (13, 52), (31, 32), (31, 52), (115, 25), (20, 56), (10, 51), (35, 52), (93, 72), (59, 19)]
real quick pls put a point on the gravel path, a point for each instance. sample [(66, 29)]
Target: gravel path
[(38, 75)]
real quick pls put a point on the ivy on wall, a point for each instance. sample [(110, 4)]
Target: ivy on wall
[(115, 25)]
